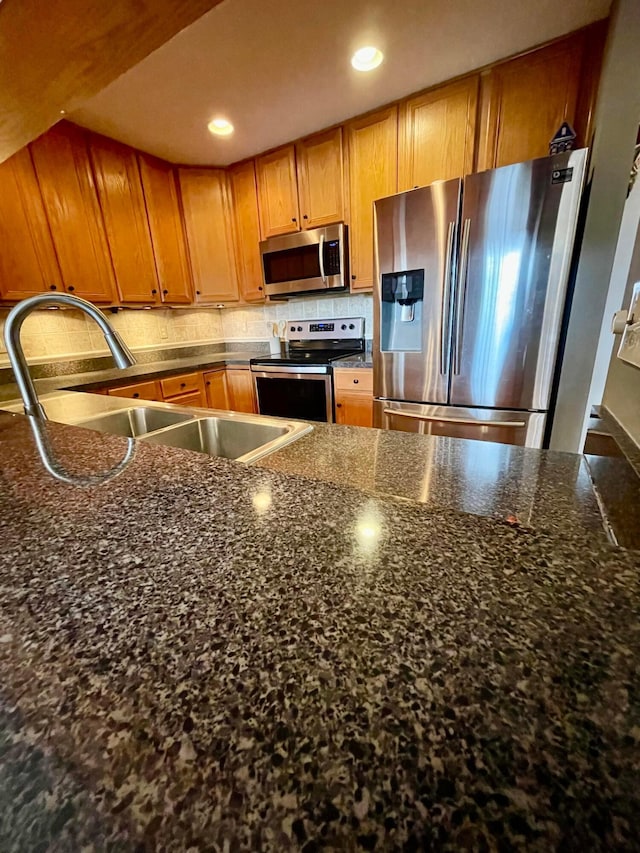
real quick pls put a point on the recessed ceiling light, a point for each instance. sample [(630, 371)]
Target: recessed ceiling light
[(366, 59), (220, 127)]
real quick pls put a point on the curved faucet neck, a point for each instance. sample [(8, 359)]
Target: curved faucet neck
[(13, 326)]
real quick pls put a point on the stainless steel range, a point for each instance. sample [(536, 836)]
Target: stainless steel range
[(298, 382)]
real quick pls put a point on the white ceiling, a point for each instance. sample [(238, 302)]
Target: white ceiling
[(279, 69)]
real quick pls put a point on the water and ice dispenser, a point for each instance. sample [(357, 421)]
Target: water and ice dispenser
[(401, 311)]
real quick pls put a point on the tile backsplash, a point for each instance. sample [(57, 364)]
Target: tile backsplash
[(253, 323), (58, 334)]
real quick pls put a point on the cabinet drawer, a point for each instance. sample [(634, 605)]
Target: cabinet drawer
[(187, 383), (358, 379), (196, 399), (139, 391)]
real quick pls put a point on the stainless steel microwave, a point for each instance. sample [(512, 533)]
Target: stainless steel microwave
[(312, 261)]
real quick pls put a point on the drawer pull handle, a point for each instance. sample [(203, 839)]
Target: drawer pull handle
[(355, 381), (136, 394)]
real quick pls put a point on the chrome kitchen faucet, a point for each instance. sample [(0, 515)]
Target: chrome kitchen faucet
[(32, 406)]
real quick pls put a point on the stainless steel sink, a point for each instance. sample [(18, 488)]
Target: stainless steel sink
[(245, 439), (136, 421)]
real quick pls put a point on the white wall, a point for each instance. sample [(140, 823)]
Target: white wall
[(616, 121), (617, 284)]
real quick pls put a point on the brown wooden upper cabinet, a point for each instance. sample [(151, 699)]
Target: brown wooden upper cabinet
[(319, 161), (63, 168), (28, 263), (117, 177), (167, 232), (525, 100), (242, 181), (207, 216), (437, 134), (278, 192), (372, 145)]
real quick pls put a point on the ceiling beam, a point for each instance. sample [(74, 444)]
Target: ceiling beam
[(55, 55)]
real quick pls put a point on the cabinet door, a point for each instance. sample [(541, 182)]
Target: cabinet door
[(524, 102), (437, 134), (242, 396), (319, 162), (278, 192), (125, 217), (215, 382), (372, 145), (207, 214), (64, 172), (354, 409), (28, 263), (167, 232), (242, 179)]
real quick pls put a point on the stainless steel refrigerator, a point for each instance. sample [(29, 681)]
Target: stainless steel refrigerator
[(471, 280)]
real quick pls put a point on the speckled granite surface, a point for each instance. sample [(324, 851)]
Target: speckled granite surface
[(201, 655), (140, 370), (538, 488)]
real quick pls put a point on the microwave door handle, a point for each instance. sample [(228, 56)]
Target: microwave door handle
[(321, 258)]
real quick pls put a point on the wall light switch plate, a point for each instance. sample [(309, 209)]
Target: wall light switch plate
[(630, 344)]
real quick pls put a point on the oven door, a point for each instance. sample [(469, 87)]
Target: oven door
[(294, 393)]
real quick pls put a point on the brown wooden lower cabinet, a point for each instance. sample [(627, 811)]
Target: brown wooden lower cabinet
[(138, 391), (230, 389), (215, 384), (353, 390), (242, 396)]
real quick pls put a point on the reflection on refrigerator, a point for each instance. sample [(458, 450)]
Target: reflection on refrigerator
[(471, 280)]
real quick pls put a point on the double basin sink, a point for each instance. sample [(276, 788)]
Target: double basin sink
[(244, 438)]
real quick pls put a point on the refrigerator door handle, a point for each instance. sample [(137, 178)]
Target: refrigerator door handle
[(445, 342), (462, 292), (470, 421), (321, 258)]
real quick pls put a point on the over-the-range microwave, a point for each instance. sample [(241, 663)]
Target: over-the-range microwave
[(311, 262)]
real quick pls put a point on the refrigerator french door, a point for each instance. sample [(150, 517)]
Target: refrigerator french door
[(471, 284)]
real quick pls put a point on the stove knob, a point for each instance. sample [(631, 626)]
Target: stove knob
[(293, 328), (344, 327), (351, 326), (299, 328)]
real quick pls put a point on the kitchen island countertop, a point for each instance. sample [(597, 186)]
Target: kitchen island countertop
[(200, 654)]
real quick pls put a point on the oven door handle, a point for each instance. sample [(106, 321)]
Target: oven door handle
[(283, 370), (321, 258)]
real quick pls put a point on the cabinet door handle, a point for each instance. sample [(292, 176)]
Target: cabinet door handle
[(293, 219), (183, 384), (136, 394), (353, 278), (70, 288), (153, 292), (338, 405), (355, 381), (305, 216), (259, 287), (166, 292), (53, 287)]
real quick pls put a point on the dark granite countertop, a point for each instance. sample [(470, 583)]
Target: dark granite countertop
[(202, 655), (529, 487), (115, 376), (364, 359)]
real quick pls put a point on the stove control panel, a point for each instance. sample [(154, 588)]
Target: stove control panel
[(343, 328)]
